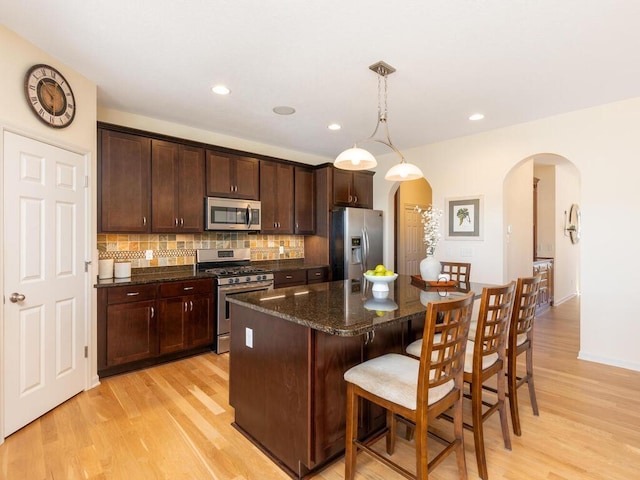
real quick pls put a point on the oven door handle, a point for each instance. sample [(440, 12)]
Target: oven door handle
[(246, 287)]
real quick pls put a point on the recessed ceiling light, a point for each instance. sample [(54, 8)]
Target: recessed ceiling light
[(283, 110), (476, 117), (334, 126), (220, 90)]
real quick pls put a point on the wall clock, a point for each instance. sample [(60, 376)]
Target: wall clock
[(50, 96), (573, 226)]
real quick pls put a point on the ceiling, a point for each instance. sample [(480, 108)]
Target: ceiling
[(514, 61)]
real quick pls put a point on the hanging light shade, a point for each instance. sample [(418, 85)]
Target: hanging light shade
[(403, 171), (357, 158)]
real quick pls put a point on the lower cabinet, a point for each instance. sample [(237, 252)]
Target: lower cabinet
[(291, 278), (143, 325), (290, 394), (185, 315), (544, 268)]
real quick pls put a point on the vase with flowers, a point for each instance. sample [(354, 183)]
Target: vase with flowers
[(429, 266)]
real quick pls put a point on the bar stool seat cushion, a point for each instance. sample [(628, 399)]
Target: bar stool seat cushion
[(487, 360), (394, 377)]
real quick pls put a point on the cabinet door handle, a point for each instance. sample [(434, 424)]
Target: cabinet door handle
[(186, 289), (288, 277), (176, 221), (153, 312), (182, 222), (132, 294), (185, 306), (144, 221), (317, 274), (190, 305), (355, 199), (350, 199)]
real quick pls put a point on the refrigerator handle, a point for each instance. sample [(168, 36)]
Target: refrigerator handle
[(365, 249)]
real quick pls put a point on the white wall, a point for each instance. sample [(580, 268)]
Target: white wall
[(16, 56), (567, 255), (603, 143)]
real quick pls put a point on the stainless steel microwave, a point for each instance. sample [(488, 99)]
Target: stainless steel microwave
[(232, 214)]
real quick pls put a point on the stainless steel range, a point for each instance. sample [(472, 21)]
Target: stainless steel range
[(233, 273)]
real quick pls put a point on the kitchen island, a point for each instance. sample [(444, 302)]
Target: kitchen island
[(289, 350)]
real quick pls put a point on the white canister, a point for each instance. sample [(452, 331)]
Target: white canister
[(105, 268), (123, 269)]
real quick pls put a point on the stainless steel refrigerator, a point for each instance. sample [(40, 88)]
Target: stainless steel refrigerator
[(356, 242)]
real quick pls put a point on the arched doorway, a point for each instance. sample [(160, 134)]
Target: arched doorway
[(409, 247), (558, 187)]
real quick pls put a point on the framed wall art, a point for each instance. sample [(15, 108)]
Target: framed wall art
[(464, 218)]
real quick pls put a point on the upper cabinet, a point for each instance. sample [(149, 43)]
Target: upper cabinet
[(276, 183), (304, 204), (124, 183), (177, 187), (352, 188), (232, 176)]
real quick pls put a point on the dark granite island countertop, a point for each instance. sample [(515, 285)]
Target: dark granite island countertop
[(289, 350), (347, 308)]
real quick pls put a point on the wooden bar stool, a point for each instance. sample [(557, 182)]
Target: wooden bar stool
[(485, 358), (521, 341), (418, 390), (460, 272)]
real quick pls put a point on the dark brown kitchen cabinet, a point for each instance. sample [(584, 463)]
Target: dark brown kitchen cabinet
[(304, 213), (317, 275), (185, 315), (276, 181), (177, 187), (289, 278), (143, 325), (128, 329), (232, 176), (333, 188), (352, 189), (291, 395), (124, 183)]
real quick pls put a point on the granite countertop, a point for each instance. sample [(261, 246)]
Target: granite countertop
[(346, 308), (143, 276)]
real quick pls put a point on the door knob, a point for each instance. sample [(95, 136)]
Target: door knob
[(16, 297)]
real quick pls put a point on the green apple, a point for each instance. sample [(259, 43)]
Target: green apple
[(370, 272), (389, 273), (380, 269)]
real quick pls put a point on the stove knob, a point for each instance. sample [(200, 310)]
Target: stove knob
[(237, 280), (230, 280), (247, 279)]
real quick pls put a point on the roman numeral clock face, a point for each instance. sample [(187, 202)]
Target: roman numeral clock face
[(50, 96)]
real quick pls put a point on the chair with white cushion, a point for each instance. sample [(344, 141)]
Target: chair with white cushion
[(457, 271), (521, 341), (418, 390), (485, 358)]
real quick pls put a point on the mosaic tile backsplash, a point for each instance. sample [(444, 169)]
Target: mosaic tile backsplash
[(180, 249)]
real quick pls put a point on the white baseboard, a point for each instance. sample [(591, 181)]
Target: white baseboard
[(614, 362)]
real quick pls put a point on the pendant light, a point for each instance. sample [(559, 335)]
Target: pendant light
[(360, 159)]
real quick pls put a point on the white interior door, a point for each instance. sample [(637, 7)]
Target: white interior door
[(44, 278), (414, 249)]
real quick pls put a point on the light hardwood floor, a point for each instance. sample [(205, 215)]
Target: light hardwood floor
[(174, 422)]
